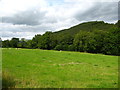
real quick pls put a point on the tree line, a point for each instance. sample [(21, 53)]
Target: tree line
[(95, 40)]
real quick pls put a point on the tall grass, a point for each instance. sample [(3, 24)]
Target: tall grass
[(7, 80)]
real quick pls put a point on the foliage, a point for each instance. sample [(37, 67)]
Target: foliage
[(6, 43), (112, 42), (45, 41), (14, 42), (22, 43)]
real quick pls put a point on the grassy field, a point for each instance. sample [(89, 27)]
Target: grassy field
[(34, 68)]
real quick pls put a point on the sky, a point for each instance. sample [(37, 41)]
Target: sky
[(26, 18)]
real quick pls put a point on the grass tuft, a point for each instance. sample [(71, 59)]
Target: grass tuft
[(7, 80)]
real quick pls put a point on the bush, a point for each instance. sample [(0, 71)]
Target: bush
[(58, 47)]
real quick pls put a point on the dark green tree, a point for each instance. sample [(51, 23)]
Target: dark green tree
[(35, 41), (45, 41), (5, 43), (29, 44), (112, 42), (14, 42), (80, 41), (22, 43)]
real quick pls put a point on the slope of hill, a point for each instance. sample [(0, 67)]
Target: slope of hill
[(87, 26)]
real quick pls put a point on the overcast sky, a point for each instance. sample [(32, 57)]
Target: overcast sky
[(25, 18)]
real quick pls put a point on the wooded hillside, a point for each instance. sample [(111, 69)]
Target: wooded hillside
[(92, 37)]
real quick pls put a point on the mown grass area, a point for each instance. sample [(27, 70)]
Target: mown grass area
[(35, 68)]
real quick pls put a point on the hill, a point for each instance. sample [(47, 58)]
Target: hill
[(87, 26), (92, 37)]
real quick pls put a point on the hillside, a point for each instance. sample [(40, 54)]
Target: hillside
[(87, 26)]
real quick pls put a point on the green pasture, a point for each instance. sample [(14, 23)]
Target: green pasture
[(35, 68)]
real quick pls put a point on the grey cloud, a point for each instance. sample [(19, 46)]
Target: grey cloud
[(22, 28), (107, 11), (51, 19), (17, 34), (29, 17)]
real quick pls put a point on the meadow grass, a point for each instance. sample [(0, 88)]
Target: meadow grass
[(7, 80), (35, 68)]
